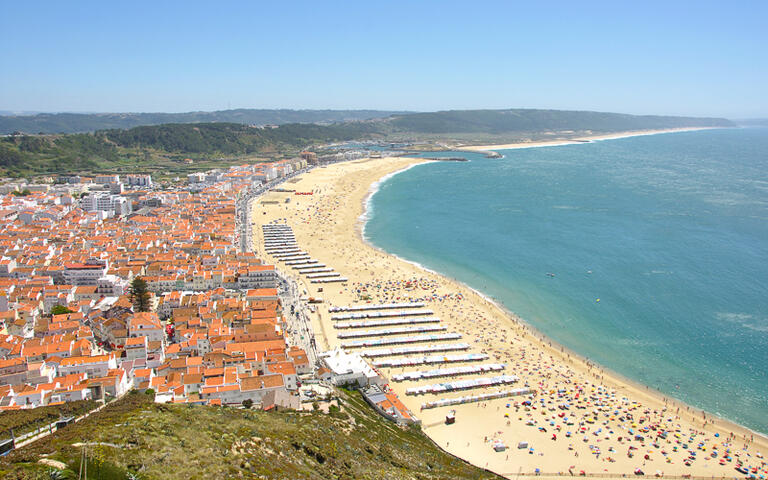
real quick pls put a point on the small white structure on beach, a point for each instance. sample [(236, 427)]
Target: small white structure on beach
[(350, 368)]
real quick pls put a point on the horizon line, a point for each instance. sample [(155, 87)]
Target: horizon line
[(32, 113)]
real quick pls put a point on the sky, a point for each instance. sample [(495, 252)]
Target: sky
[(694, 58)]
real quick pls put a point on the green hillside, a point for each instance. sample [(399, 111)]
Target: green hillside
[(24, 421), (89, 122), (135, 438), (531, 120), (229, 138)]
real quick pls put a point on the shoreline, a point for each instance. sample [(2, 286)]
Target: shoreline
[(580, 139), (372, 189), (620, 380), (326, 236)]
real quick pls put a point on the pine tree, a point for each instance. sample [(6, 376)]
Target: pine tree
[(140, 294)]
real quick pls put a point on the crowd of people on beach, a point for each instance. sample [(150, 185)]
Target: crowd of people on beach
[(414, 289)]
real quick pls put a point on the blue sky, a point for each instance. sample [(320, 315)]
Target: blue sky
[(686, 58)]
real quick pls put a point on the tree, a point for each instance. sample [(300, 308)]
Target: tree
[(139, 294), (247, 403), (60, 310)]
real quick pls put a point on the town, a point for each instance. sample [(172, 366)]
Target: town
[(111, 284)]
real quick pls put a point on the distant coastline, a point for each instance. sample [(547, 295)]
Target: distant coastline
[(577, 140)]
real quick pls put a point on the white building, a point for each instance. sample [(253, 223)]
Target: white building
[(105, 202), (95, 366), (111, 285), (271, 173), (106, 179), (139, 180), (197, 177), (146, 324), (122, 206), (248, 388), (349, 368), (257, 277), (136, 348), (7, 265), (78, 274), (213, 176), (116, 188)]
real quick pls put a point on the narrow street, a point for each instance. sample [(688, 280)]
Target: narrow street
[(299, 332)]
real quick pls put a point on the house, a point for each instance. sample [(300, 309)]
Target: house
[(193, 382), (114, 384), (142, 377), (33, 396), (261, 294), (248, 388), (300, 361), (70, 394), (136, 348), (146, 324), (94, 366)]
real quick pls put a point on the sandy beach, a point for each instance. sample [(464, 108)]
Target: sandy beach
[(582, 418), (575, 140)]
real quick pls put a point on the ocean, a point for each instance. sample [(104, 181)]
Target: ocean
[(668, 231)]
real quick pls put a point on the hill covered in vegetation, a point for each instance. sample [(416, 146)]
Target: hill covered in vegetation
[(27, 420), (89, 122), (166, 148), (532, 120), (230, 138), (135, 438)]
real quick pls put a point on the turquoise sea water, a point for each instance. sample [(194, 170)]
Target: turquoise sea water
[(672, 227)]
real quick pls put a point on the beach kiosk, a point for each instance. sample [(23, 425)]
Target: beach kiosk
[(450, 419)]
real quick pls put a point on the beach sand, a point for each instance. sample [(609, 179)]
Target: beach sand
[(602, 407), (575, 140)]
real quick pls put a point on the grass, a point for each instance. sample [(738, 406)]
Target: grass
[(135, 436), (24, 421)]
